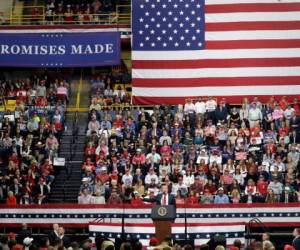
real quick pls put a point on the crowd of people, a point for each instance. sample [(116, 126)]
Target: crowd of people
[(29, 137), (109, 90), (78, 12), (206, 151), (58, 239)]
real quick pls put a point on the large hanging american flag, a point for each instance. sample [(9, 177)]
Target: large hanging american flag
[(228, 48)]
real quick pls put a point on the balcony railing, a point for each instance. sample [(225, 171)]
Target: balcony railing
[(39, 16)]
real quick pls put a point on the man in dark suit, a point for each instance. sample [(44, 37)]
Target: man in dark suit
[(296, 241), (54, 235), (41, 191), (163, 198), (294, 122)]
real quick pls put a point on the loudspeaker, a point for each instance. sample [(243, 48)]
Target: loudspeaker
[(214, 241)]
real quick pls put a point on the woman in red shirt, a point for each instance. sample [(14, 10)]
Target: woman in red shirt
[(88, 165), (136, 200), (179, 198), (90, 150), (262, 186), (11, 199)]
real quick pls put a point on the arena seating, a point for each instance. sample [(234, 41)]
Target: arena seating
[(207, 151), (30, 134), (79, 12), (211, 154)]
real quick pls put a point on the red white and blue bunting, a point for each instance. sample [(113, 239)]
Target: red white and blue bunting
[(199, 232), (80, 216)]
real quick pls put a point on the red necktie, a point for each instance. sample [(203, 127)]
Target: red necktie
[(165, 200)]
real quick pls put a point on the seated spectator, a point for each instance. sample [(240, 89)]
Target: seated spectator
[(207, 197), (221, 198), (114, 198), (11, 199), (235, 196), (41, 191)]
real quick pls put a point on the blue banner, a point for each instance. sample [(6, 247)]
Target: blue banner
[(63, 49)]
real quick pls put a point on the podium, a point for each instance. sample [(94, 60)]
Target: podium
[(163, 217)]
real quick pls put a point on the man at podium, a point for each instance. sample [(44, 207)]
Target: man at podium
[(163, 198), (163, 213)]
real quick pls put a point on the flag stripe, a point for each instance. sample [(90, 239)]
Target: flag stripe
[(221, 26), (211, 72), (217, 54), (217, 63), (213, 91), (255, 44), (252, 35), (214, 2), (213, 81), (252, 7), (252, 16)]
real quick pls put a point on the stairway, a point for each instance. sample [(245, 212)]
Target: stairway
[(68, 180)]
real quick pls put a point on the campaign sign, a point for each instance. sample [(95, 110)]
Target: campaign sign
[(60, 49)]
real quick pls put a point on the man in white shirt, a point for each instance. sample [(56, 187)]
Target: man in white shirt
[(189, 107), (255, 115), (153, 158), (200, 108), (211, 106), (151, 175)]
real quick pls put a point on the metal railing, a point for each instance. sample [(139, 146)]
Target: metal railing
[(72, 150), (37, 15)]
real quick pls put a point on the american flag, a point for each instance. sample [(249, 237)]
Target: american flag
[(200, 233), (220, 48)]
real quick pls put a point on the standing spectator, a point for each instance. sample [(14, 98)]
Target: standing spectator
[(53, 235), (200, 108), (189, 107), (296, 241), (63, 237), (211, 106), (23, 233), (221, 113), (277, 116), (255, 115)]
